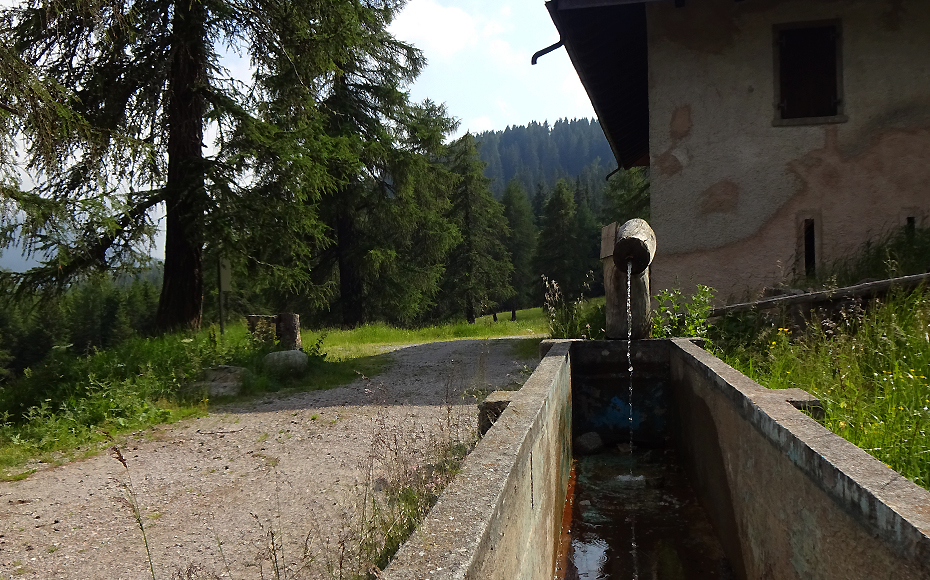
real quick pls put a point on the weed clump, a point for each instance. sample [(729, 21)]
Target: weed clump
[(577, 318), (868, 363)]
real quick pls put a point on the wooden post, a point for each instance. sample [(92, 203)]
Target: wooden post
[(634, 242), (287, 327)]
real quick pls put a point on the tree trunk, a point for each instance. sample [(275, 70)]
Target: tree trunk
[(181, 303), (350, 283)]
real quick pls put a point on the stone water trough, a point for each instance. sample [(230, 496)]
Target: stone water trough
[(786, 498)]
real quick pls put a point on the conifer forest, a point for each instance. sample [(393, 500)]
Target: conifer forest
[(324, 186)]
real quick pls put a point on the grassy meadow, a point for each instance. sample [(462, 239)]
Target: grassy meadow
[(71, 403), (370, 339), (869, 365)]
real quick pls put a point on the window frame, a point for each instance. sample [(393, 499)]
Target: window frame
[(840, 116)]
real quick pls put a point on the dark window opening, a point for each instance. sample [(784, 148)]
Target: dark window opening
[(911, 226), (808, 72), (810, 256)]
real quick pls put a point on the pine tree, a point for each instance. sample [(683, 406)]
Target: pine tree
[(521, 243), (557, 252), (587, 242), (539, 203), (147, 76), (626, 196), (479, 267), (396, 142)]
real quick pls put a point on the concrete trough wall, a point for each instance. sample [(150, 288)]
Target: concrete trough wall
[(500, 517), (788, 499)]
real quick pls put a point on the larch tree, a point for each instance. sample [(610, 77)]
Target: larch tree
[(148, 76)]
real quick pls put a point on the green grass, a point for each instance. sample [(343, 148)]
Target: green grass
[(869, 368), (71, 405), (899, 252), (371, 339), (526, 348)]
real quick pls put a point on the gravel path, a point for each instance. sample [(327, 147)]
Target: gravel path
[(211, 490)]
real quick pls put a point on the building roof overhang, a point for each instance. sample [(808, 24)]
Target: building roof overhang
[(606, 41)]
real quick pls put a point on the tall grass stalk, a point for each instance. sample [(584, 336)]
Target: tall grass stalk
[(133, 500), (869, 366)]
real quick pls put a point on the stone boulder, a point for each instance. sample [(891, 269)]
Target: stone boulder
[(286, 363), (588, 444), (221, 381)]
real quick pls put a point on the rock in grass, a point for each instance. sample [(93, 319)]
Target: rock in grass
[(588, 444), (221, 381), (286, 363)]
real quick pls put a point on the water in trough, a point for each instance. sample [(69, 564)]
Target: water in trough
[(630, 511)]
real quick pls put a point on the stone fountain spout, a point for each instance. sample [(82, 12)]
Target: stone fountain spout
[(633, 241)]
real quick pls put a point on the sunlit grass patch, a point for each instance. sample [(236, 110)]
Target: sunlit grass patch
[(376, 338)]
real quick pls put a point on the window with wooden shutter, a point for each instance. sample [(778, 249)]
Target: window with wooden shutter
[(808, 73)]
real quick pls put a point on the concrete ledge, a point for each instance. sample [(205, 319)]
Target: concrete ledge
[(500, 517)]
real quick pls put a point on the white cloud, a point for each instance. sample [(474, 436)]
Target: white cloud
[(478, 124), (493, 28), (504, 55), (504, 107), (437, 30)]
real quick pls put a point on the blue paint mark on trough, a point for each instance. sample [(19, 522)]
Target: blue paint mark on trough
[(615, 415)]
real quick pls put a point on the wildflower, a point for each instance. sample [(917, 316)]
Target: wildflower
[(842, 424)]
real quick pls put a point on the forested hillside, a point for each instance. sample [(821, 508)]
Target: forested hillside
[(539, 154)]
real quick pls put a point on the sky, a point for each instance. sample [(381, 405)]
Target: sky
[(478, 63)]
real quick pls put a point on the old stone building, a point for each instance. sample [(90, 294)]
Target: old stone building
[(780, 134)]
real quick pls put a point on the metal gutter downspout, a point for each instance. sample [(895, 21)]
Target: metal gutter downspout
[(545, 51)]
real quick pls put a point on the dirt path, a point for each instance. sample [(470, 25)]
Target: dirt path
[(210, 490)]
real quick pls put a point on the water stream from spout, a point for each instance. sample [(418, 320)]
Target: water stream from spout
[(629, 360)]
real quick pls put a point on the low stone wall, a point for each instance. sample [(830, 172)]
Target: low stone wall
[(789, 499), (500, 517)]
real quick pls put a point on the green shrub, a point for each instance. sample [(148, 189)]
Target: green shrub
[(677, 316), (900, 252)]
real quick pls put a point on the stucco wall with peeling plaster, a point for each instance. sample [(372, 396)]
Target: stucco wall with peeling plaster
[(730, 191)]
